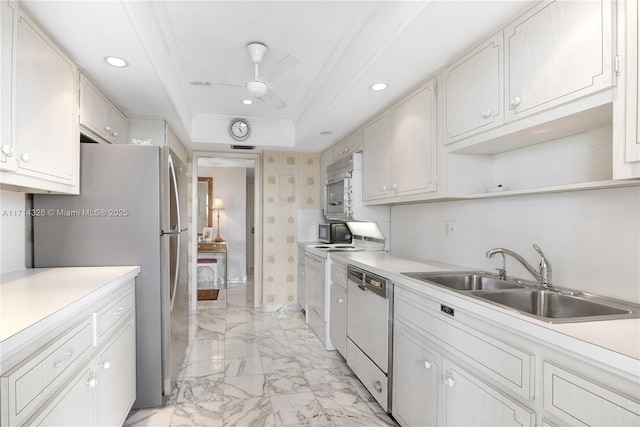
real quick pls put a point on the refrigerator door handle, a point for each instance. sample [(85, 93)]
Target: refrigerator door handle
[(174, 180), (177, 274)]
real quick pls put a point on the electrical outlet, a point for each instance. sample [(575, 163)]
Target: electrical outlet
[(450, 227)]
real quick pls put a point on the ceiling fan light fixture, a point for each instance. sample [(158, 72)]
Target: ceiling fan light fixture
[(257, 88)]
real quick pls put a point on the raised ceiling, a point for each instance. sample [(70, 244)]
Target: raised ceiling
[(341, 47)]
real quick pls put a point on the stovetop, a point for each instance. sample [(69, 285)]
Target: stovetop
[(322, 249)]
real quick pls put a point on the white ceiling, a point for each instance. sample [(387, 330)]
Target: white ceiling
[(342, 48)]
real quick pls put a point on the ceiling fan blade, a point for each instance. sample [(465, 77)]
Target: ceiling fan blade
[(277, 74), (210, 84), (272, 99)]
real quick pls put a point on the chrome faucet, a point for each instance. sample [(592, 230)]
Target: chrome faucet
[(543, 276)]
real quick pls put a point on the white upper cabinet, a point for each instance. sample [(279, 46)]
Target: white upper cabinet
[(626, 131), (352, 144), (44, 114), (399, 150), (557, 52), (99, 115), (376, 158), (473, 91), (8, 14)]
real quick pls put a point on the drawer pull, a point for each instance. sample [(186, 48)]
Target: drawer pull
[(449, 381), (105, 365), (427, 364), (340, 300), (378, 386), (64, 359), (118, 312), (92, 383)]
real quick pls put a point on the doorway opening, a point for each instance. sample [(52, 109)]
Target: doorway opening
[(226, 211)]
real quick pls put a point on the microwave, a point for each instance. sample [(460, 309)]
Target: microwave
[(334, 232)]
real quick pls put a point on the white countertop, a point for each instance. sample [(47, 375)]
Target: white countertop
[(36, 295), (614, 342)]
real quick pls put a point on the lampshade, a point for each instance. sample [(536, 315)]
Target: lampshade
[(217, 203)]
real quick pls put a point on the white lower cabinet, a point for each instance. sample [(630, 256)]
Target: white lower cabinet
[(338, 319), (77, 377), (575, 400), (446, 374), (116, 375), (415, 380), (470, 401), (78, 399)]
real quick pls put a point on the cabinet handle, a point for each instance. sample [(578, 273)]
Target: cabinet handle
[(515, 101), (105, 365), (115, 134), (118, 312), (7, 150), (427, 364), (487, 113), (107, 128), (92, 382), (378, 386), (64, 359), (384, 188), (449, 381), (25, 157), (340, 300), (394, 186)]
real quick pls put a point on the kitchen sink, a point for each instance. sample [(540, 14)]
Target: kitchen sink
[(466, 281), (554, 306)]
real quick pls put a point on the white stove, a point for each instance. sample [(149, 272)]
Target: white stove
[(323, 249)]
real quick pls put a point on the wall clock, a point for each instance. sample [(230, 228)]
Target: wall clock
[(239, 129)]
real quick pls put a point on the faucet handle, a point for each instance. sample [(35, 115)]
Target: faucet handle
[(545, 267)]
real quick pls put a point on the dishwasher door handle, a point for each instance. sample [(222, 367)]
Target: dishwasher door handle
[(361, 286)]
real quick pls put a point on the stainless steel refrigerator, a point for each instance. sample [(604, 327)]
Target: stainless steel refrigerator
[(131, 211)]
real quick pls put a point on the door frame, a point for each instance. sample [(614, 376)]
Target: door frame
[(257, 196)]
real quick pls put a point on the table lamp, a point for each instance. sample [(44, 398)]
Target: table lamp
[(217, 205)]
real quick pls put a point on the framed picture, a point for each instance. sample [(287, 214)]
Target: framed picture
[(207, 234)]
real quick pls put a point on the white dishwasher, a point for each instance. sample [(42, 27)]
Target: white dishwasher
[(369, 329)]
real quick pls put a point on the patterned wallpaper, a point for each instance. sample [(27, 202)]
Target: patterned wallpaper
[(291, 181)]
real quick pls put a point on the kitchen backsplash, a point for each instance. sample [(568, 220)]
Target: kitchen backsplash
[(291, 181), (590, 237)]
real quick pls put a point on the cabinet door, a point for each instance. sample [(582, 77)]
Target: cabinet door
[(46, 107), (414, 143), (376, 158), (633, 109), (558, 52), (75, 405), (473, 91), (118, 125), (7, 39), (94, 108), (350, 145), (415, 381), (338, 319), (469, 401), (116, 373)]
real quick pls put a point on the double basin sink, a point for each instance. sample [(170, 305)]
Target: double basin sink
[(548, 304)]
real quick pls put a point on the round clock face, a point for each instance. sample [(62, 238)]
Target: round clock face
[(239, 129)]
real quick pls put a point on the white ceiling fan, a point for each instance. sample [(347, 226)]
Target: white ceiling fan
[(260, 87)]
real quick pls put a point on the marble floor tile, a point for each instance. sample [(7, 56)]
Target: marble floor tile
[(249, 367)]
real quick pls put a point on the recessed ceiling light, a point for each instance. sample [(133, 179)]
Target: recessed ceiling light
[(247, 101), (326, 132), (378, 86), (116, 62)]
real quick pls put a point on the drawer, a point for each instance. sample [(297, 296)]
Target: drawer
[(369, 375), (34, 380), (577, 400), (110, 315), (339, 274), (508, 366)]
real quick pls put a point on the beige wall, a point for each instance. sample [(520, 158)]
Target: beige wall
[(291, 181)]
